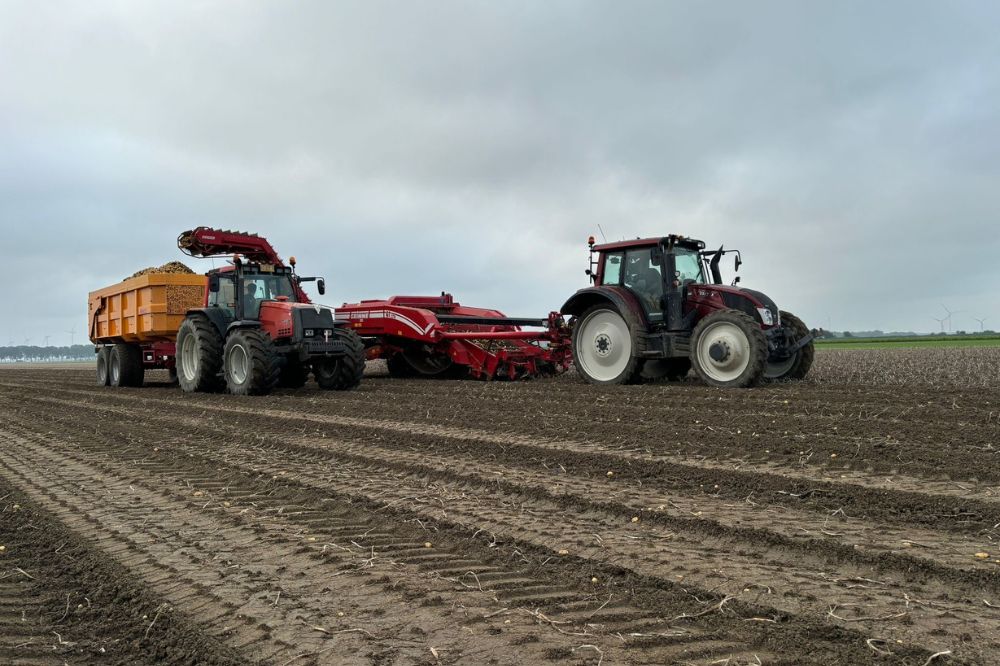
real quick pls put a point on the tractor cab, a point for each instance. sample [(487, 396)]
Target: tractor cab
[(658, 307), (241, 289)]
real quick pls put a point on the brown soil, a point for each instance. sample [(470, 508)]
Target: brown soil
[(446, 522)]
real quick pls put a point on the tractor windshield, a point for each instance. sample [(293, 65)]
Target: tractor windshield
[(263, 287), (688, 265)]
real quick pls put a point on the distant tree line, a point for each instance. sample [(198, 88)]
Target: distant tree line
[(36, 353)]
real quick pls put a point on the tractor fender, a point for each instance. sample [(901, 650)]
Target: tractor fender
[(623, 299), (219, 318)]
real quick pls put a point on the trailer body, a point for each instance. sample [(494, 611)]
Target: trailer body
[(146, 310)]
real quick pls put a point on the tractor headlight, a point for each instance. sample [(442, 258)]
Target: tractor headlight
[(309, 332), (765, 316)]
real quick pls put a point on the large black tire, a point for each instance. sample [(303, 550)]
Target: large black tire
[(250, 362), (671, 369), (125, 365), (293, 374), (798, 366), (608, 346), (104, 366), (199, 355), (399, 367), (342, 373), (729, 349)]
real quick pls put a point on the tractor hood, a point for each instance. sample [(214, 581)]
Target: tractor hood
[(745, 300)]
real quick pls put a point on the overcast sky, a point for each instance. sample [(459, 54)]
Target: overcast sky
[(851, 150)]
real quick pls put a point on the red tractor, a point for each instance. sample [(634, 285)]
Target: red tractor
[(658, 307), (258, 328)]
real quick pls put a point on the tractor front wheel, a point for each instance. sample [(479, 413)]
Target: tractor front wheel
[(342, 373), (797, 365), (606, 347), (251, 363), (729, 349), (199, 355)]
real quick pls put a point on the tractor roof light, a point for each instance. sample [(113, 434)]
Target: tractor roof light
[(591, 241), (291, 260)]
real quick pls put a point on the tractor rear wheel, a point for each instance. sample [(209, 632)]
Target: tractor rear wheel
[(729, 349), (607, 346), (250, 362), (342, 373), (796, 366), (125, 365), (103, 366), (199, 355)]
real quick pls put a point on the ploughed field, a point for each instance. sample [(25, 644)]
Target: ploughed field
[(853, 518)]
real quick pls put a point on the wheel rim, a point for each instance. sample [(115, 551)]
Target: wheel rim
[(239, 364), (604, 345), (779, 369), (189, 358), (723, 351)]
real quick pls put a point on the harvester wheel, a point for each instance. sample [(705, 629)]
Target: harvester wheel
[(399, 367), (125, 365), (103, 366), (199, 355), (342, 373), (797, 366), (729, 349), (251, 364), (293, 374), (607, 347)]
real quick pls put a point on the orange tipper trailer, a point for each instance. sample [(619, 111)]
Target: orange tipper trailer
[(138, 319)]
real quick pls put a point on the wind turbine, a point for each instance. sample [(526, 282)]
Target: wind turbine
[(950, 313), (982, 323), (27, 342), (940, 321), (47, 340), (71, 332)]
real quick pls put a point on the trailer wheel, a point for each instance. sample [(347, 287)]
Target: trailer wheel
[(342, 373), (199, 355), (251, 363), (399, 367), (103, 369), (729, 349), (607, 347), (796, 366), (125, 365)]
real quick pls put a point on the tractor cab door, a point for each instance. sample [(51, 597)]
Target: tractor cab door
[(225, 297), (642, 273)]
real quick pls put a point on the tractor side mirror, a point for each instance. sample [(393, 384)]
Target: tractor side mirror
[(737, 263), (321, 286), (213, 283), (656, 255)]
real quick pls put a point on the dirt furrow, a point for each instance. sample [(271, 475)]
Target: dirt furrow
[(644, 550)]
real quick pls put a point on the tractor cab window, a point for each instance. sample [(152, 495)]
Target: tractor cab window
[(258, 288), (613, 268), (644, 277), (688, 265), (225, 298)]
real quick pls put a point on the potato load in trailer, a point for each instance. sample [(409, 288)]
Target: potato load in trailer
[(246, 327)]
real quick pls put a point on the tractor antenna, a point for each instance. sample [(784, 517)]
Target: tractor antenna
[(602, 233)]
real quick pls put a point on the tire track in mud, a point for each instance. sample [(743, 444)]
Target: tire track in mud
[(936, 505), (237, 606), (804, 590), (883, 546), (510, 588), (61, 601)]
